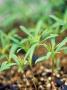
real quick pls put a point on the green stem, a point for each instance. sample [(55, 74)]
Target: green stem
[(33, 77), (53, 66)]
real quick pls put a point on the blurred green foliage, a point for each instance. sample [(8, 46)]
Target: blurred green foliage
[(23, 10)]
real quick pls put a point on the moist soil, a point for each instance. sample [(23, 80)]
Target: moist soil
[(39, 77)]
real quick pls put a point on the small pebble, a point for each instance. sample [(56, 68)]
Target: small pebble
[(66, 83), (13, 87), (58, 76), (49, 78), (19, 85), (28, 73), (53, 86), (48, 72), (27, 83), (54, 74), (48, 85), (41, 79), (59, 82), (64, 87), (34, 80), (43, 74), (40, 87), (42, 68)]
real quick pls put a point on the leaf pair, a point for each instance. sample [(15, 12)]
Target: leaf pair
[(5, 66)]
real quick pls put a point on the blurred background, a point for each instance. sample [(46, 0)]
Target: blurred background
[(27, 12)]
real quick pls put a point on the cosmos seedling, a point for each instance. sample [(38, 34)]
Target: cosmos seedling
[(34, 39), (53, 49), (20, 63)]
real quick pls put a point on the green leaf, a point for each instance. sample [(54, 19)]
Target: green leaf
[(28, 52), (32, 52), (61, 44), (12, 50), (26, 31), (43, 58), (23, 41), (12, 33), (15, 58), (51, 36), (39, 26), (58, 64), (2, 56), (56, 19), (19, 62), (46, 46), (3, 39), (64, 48), (15, 40), (5, 65), (65, 16), (53, 43)]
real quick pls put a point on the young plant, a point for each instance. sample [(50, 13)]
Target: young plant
[(32, 40), (5, 43), (5, 66), (60, 25), (20, 63), (53, 49), (35, 38)]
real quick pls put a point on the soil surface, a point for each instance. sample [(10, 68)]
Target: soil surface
[(36, 78)]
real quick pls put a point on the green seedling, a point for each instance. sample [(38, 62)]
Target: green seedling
[(20, 63), (53, 49), (35, 38), (5, 42), (5, 66), (15, 45), (60, 24)]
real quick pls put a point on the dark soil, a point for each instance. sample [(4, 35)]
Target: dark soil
[(37, 78)]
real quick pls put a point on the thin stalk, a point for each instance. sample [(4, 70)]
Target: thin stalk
[(53, 67), (33, 77)]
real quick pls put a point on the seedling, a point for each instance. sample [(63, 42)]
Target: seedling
[(5, 66), (34, 39), (53, 49), (5, 40), (20, 63), (60, 25)]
